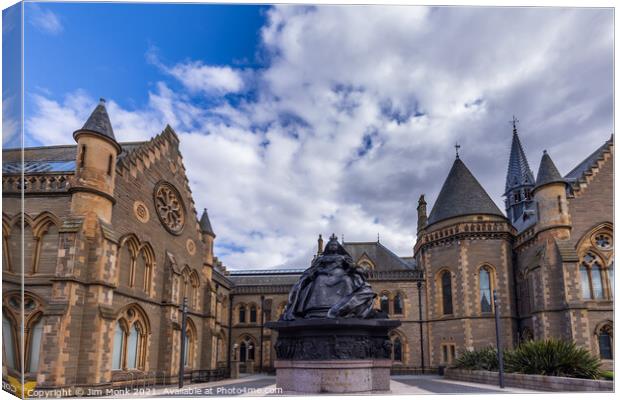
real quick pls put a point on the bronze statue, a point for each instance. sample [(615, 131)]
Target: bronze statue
[(333, 287)]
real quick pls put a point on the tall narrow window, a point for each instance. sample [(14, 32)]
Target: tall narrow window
[(8, 342), (604, 343), (110, 161), (485, 290), (398, 350), (243, 352), (560, 204), (242, 314), (398, 304), (385, 304), (585, 282), (610, 279), (83, 156), (597, 281), (253, 314), (36, 332), (251, 351), (117, 350), (446, 292), (132, 348), (186, 350)]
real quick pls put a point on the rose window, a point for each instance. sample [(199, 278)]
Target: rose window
[(603, 241), (170, 208)]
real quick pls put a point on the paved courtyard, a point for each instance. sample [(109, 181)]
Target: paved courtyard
[(265, 385)]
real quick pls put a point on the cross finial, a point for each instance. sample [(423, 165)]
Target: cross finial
[(514, 124), (457, 146)]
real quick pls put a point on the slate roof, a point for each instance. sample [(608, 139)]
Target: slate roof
[(462, 194), (578, 172), (382, 257), (99, 122), (547, 172), (519, 172), (205, 224)]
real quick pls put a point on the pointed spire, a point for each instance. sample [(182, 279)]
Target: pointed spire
[(461, 194), (205, 224), (99, 123), (547, 172), (519, 172)]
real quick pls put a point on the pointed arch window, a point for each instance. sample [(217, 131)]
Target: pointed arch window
[(385, 303), (241, 314), (596, 280), (398, 349), (9, 344), (446, 292), (130, 335), (398, 304), (605, 347), (246, 349), (253, 314), (485, 290), (33, 330)]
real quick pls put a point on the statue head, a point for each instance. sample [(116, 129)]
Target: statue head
[(333, 247)]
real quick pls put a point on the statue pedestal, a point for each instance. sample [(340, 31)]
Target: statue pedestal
[(234, 369), (326, 355)]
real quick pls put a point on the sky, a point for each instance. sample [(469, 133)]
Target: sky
[(299, 120)]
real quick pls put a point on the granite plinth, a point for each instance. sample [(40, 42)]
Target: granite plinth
[(327, 355)]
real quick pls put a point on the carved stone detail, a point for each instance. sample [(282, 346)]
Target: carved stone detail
[(141, 211), (333, 347), (170, 208)]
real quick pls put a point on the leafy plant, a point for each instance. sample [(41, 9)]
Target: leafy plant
[(484, 359), (552, 357), (609, 375)]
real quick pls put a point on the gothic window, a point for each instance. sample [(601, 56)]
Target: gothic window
[(130, 335), (246, 349), (398, 304), (253, 314), (448, 353), (446, 292), (170, 208), (385, 304), (485, 290), (603, 241), (605, 335), (243, 352), (596, 280), (241, 314), (33, 330), (398, 350), (110, 162), (527, 335), (188, 351)]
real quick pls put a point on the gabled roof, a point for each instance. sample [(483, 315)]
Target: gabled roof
[(382, 257), (461, 194), (205, 224), (519, 172), (99, 122), (579, 171), (547, 172)]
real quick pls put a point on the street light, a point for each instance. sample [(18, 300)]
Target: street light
[(500, 356)]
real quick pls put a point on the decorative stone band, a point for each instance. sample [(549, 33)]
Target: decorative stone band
[(333, 339)]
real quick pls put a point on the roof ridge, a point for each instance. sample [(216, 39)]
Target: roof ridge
[(593, 163)]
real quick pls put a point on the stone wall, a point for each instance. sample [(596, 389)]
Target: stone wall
[(541, 383)]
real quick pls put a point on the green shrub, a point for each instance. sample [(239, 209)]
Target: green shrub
[(485, 359), (552, 357), (609, 375)]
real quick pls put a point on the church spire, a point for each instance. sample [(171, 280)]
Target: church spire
[(519, 178)]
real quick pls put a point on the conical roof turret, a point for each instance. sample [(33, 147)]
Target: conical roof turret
[(547, 172), (205, 224)]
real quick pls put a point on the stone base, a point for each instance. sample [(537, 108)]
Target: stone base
[(333, 376)]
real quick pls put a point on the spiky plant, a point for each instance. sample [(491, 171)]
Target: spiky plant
[(553, 357), (481, 359)]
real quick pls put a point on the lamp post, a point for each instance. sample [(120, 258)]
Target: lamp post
[(500, 356), (183, 336), (420, 317)]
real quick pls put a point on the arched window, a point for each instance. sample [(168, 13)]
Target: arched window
[(385, 304), (596, 280), (605, 347), (398, 350), (241, 314), (446, 292), (9, 345), (527, 335), (246, 349), (190, 340), (243, 352), (253, 314), (485, 290), (398, 304), (186, 349), (36, 333), (130, 335)]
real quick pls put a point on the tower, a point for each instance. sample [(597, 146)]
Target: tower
[(422, 218), (95, 169), (550, 196), (208, 236), (519, 181)]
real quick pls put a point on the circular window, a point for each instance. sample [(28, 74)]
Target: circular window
[(169, 207), (603, 241)]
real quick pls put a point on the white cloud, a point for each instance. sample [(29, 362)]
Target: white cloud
[(43, 19), (356, 114)]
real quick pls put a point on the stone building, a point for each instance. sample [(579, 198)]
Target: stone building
[(113, 243)]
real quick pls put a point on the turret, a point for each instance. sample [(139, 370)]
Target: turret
[(422, 218), (95, 170), (208, 236), (550, 195), (319, 249), (519, 180)]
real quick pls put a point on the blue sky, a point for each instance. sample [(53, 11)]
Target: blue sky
[(296, 121)]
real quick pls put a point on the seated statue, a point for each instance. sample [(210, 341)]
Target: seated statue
[(333, 287)]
